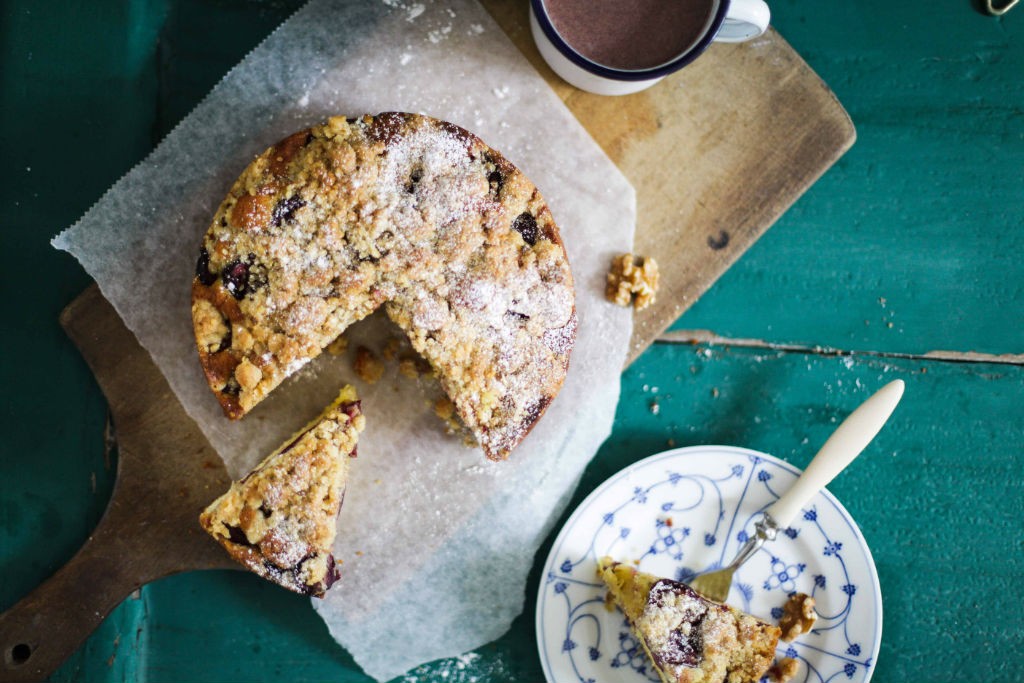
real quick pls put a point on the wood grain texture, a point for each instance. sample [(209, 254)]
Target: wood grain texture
[(716, 153), (167, 473)]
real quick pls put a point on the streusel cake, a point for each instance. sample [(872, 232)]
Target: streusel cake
[(689, 638), (280, 520), (396, 210)]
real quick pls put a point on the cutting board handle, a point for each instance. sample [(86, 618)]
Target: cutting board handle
[(167, 472), (51, 622)]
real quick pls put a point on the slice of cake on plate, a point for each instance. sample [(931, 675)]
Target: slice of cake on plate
[(688, 638), (279, 521)]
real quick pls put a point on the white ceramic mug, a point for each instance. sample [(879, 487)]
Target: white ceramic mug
[(732, 21)]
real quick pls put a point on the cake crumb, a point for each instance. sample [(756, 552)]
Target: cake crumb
[(630, 282), (414, 367), (445, 409), (783, 670), (798, 616), (407, 367), (368, 366), (391, 348), (338, 346)]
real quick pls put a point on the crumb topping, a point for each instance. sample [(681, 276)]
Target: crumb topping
[(400, 211)]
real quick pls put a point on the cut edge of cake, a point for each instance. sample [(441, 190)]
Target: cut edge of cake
[(688, 638), (280, 520), (275, 193)]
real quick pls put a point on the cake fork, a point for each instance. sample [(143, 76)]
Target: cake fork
[(846, 443)]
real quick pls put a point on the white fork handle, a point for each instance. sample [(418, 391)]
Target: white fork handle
[(845, 444)]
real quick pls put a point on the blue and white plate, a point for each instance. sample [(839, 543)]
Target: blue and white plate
[(688, 510)]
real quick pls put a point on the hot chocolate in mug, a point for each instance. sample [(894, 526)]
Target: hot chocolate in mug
[(617, 47)]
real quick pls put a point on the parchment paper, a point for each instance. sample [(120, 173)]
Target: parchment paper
[(435, 541)]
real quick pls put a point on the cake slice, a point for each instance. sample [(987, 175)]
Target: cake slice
[(279, 521), (688, 638)]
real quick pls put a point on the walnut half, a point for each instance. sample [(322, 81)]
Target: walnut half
[(632, 282), (798, 616)]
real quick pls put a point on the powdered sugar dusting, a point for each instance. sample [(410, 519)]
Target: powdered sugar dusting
[(424, 216)]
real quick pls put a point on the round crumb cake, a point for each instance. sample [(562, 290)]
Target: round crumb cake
[(396, 210)]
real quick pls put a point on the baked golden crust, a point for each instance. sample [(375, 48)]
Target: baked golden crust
[(399, 210), (689, 638), (279, 521)]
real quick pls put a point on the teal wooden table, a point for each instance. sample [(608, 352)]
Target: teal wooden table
[(902, 261)]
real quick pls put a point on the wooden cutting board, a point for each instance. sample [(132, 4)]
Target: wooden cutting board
[(716, 154)]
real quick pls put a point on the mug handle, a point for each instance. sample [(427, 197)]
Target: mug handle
[(745, 19)]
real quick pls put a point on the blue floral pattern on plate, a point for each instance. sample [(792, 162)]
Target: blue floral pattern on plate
[(686, 511)]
